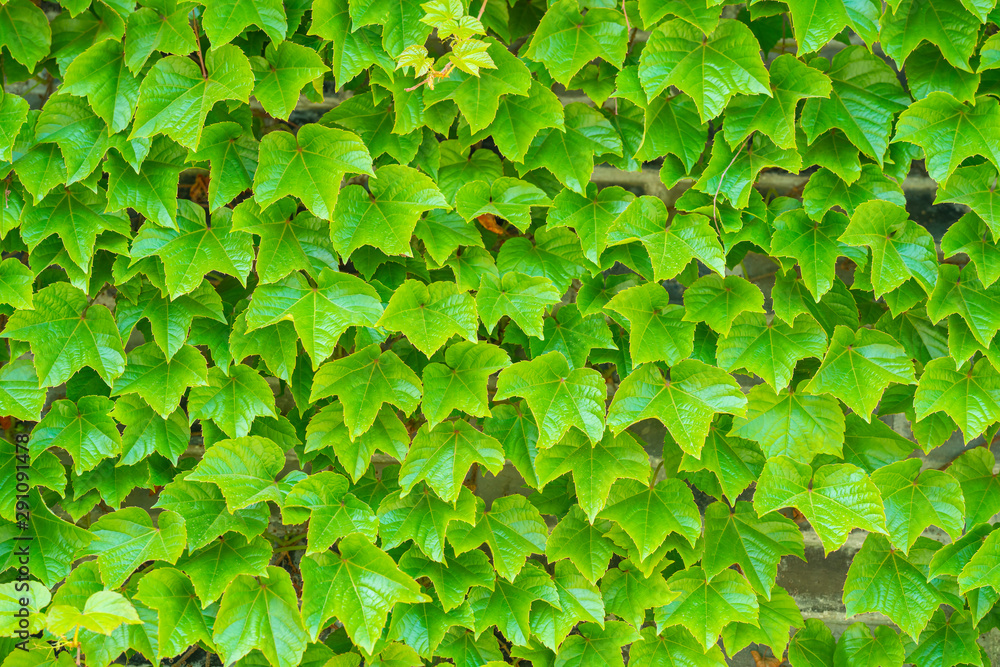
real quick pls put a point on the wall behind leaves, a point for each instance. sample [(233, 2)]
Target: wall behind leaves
[(285, 284)]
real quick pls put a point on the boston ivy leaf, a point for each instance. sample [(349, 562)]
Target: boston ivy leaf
[(835, 499), (579, 600), (159, 25), (332, 511), (387, 434), (881, 579), (519, 118), (512, 529), (595, 467), (84, 429), (20, 395), (865, 96), (718, 301), (735, 462), (180, 622), (812, 646), (574, 335), (428, 315), (974, 471), (424, 518), (657, 329), (355, 49), (422, 626), (215, 567), (151, 190), (858, 644), (174, 98), (401, 22), (628, 593), (575, 538), (100, 74), (308, 165), (812, 243), (688, 237), (568, 151), (25, 31), (386, 217), (161, 382), (770, 349), (321, 312), (261, 613), (554, 253), (452, 577), (685, 398), (651, 512), (944, 23), (288, 242), (232, 156), (597, 643), (826, 190), (756, 544), (791, 81), (950, 131), (461, 384), (969, 394), (508, 605), (731, 172), (776, 618), (102, 614), (975, 187), (951, 640), (123, 540), (914, 500), (559, 398), (672, 127), (900, 248), (206, 515), (521, 297), (282, 73), (960, 292), (195, 248), (815, 24), (364, 381), (591, 216), (565, 41), (704, 604), (674, 644), (443, 455), (16, 284), (859, 366), (969, 235), (232, 402), (226, 19), (244, 469), (711, 70), (507, 198)]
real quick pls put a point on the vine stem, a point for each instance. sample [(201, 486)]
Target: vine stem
[(715, 197), (197, 41), (482, 10)]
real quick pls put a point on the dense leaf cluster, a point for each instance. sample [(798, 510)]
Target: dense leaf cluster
[(284, 284)]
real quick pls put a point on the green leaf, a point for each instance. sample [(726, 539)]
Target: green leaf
[(386, 434), (648, 513), (975, 187), (386, 217), (553, 253), (709, 69), (825, 190), (507, 606), (578, 600), (575, 538), (160, 25), (718, 301), (507, 198), (981, 568), (859, 645), (425, 519), (597, 645), (123, 540), (442, 457), (429, 315), (559, 398), (969, 235), (791, 81), (260, 613), (685, 398), (521, 297), (224, 20), (705, 605), (358, 587), (836, 498), (232, 402), (770, 349), (423, 626), (672, 646), (233, 159), (756, 544), (628, 593), (462, 383), (574, 335), (776, 618), (332, 511), (900, 248), (519, 118), (670, 248), (859, 366), (672, 127), (658, 330), (174, 98), (865, 96), (205, 513), (950, 131), (944, 23), (512, 529), (914, 500), (949, 640), (84, 429), (103, 612), (873, 445), (161, 382), (565, 41), (244, 469), (817, 23), (974, 471), (732, 172), (282, 73), (151, 190), (969, 394), (180, 621), (595, 467), (568, 151), (20, 395), (101, 75), (813, 244), (881, 579), (25, 31), (308, 165), (735, 462), (363, 382), (812, 646), (215, 567), (960, 292), (321, 312), (355, 49)]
